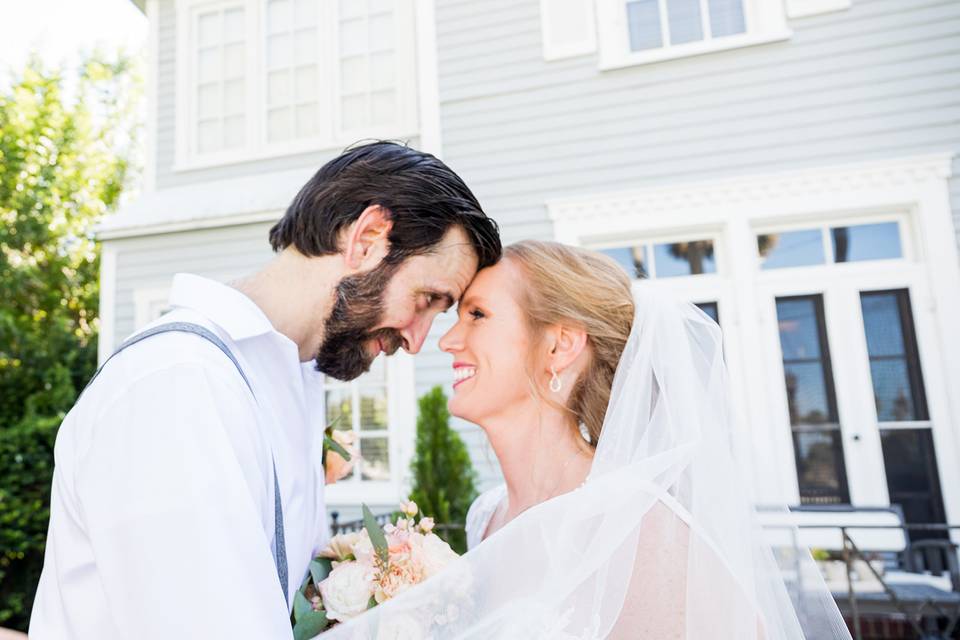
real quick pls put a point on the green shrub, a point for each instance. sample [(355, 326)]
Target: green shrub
[(444, 482), (26, 471)]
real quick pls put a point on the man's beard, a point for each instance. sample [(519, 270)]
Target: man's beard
[(359, 305)]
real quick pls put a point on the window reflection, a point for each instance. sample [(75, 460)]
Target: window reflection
[(894, 362), (632, 259), (791, 249), (684, 258), (866, 242)]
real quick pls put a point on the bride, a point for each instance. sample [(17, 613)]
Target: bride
[(623, 513)]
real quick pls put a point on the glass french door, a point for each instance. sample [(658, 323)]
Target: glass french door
[(854, 399)]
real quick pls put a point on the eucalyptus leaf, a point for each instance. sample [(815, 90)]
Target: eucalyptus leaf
[(377, 536), (320, 568), (301, 606), (310, 625)]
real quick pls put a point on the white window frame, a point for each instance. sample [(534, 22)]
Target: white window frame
[(187, 157), (401, 436), (765, 23), (915, 192), (147, 301)]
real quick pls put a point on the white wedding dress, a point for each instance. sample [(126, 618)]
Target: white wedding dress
[(660, 542)]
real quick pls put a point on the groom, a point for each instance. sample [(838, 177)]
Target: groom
[(189, 470)]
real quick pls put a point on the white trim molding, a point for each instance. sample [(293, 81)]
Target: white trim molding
[(804, 8), (108, 302), (568, 28), (148, 305), (431, 134), (152, 94)]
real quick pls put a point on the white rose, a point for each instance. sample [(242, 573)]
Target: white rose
[(347, 591), (437, 554)]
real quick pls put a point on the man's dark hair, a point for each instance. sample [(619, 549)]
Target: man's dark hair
[(423, 197)]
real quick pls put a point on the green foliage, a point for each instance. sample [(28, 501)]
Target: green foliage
[(26, 466), (444, 482), (64, 149), (62, 167)]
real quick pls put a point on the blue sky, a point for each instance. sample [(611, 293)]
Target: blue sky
[(61, 29)]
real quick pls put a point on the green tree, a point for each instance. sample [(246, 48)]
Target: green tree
[(444, 482), (65, 144)]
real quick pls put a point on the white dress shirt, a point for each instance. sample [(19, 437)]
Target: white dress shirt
[(162, 511)]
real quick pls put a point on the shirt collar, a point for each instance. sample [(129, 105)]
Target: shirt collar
[(231, 310)]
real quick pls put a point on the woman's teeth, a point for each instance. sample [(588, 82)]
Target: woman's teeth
[(463, 373)]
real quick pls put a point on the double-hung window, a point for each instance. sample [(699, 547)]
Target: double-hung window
[(261, 78)]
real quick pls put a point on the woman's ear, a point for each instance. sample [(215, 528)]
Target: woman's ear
[(366, 241), (568, 342)]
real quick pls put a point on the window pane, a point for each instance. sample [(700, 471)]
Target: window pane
[(307, 125), (894, 362), (233, 63), (632, 259), (305, 47), (381, 32), (375, 464), (820, 468), (684, 258), (643, 20), (912, 477), (279, 14), (726, 17), (711, 309), (278, 87), (208, 65), (806, 366), (339, 408), (209, 101), (305, 12), (353, 37), (208, 29), (866, 242), (279, 124), (791, 249), (384, 107), (382, 73), (353, 75), (209, 136), (306, 84), (351, 9), (279, 52), (373, 410), (233, 97), (354, 111), (685, 22), (233, 25), (233, 132)]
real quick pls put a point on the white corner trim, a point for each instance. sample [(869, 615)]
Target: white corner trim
[(428, 102), (788, 190), (108, 302), (189, 225), (153, 49), (804, 8)]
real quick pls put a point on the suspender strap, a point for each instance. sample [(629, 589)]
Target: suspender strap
[(280, 549)]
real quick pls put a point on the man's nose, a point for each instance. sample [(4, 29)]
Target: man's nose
[(416, 334)]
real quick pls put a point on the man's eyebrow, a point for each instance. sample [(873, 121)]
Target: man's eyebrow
[(446, 295)]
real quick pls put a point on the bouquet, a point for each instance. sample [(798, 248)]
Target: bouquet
[(339, 449), (361, 569)]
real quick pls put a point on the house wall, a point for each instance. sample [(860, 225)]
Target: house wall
[(878, 81)]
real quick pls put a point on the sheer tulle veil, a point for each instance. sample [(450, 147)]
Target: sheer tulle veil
[(662, 541)]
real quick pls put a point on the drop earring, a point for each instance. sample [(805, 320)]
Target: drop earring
[(555, 383)]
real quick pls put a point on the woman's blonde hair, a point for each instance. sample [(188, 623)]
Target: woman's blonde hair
[(577, 287)]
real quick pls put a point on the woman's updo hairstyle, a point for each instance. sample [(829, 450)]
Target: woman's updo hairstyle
[(577, 287)]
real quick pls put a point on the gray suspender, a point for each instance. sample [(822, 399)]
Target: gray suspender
[(280, 550)]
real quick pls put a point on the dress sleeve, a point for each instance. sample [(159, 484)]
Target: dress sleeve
[(172, 492)]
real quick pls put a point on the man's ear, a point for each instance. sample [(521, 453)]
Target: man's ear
[(567, 343), (366, 242)]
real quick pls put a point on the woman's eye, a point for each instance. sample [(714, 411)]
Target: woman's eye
[(476, 314)]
